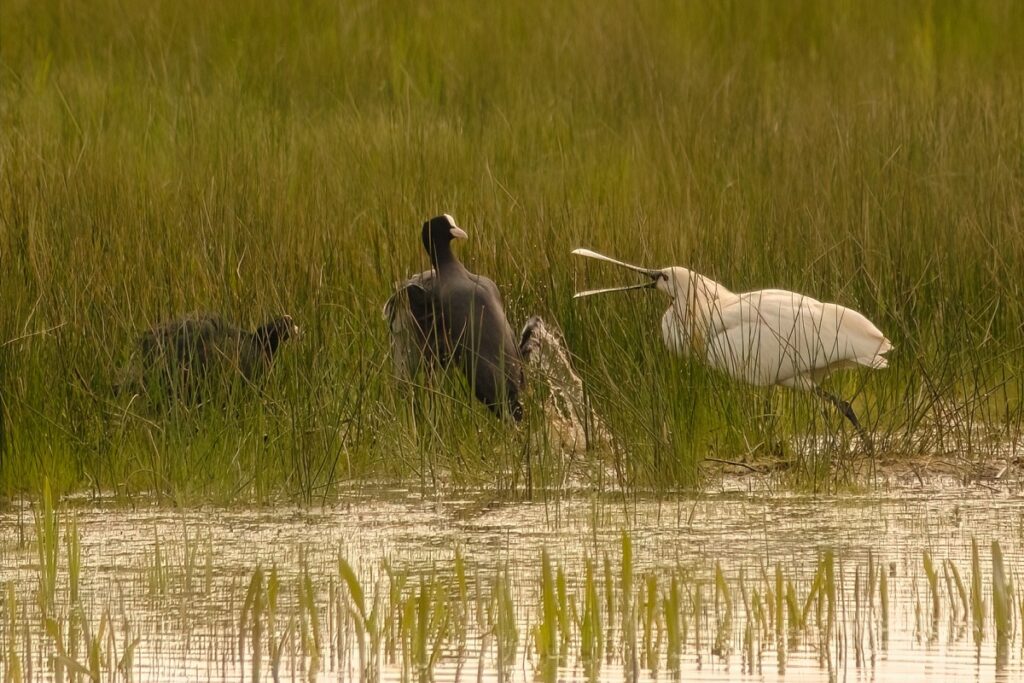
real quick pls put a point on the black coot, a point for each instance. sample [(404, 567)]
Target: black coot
[(450, 314), (187, 358)]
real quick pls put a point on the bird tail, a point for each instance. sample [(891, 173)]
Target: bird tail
[(877, 361)]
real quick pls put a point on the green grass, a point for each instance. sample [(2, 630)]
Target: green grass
[(250, 158)]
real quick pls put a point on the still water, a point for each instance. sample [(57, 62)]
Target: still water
[(727, 586)]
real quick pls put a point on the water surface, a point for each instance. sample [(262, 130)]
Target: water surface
[(169, 588)]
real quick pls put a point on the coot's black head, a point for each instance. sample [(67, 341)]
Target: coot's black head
[(438, 234), (276, 331)]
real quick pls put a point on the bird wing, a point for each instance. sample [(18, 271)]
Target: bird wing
[(176, 355), (178, 339), (511, 348), (776, 336), (410, 315), (488, 285), (487, 298)]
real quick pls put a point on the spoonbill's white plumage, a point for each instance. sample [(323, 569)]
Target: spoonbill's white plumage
[(764, 337)]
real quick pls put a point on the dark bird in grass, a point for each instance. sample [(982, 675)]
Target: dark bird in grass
[(450, 315), (190, 358)]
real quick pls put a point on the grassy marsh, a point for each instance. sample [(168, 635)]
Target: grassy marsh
[(251, 158)]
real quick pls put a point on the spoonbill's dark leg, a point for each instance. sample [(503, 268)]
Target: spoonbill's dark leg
[(846, 410), (841, 405)]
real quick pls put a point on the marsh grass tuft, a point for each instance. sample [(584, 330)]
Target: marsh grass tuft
[(48, 546), (1002, 596), (977, 598)]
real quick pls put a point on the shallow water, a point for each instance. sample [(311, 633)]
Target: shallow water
[(175, 583)]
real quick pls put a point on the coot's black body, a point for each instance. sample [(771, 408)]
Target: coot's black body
[(453, 315), (186, 357)]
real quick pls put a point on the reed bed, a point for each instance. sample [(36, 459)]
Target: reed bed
[(250, 158)]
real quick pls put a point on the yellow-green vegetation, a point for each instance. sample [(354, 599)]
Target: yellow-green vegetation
[(250, 158)]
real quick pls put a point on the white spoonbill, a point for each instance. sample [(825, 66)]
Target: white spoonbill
[(765, 337)]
